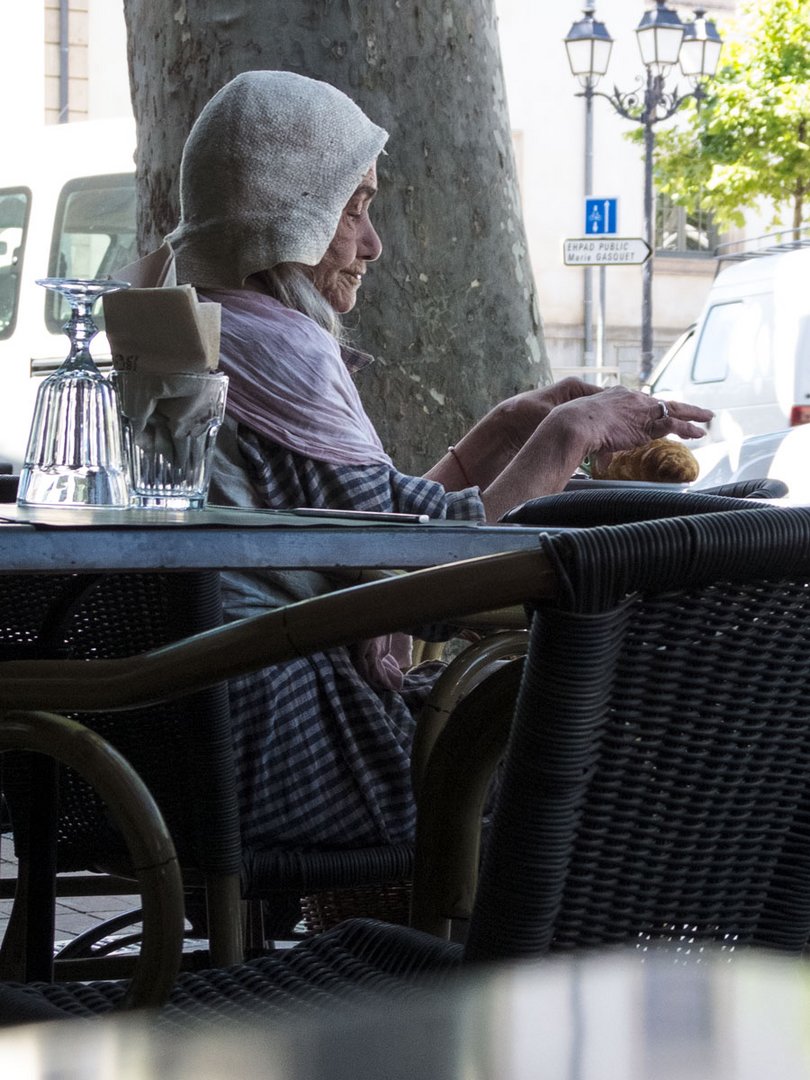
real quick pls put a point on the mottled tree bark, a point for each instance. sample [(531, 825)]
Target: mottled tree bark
[(450, 311)]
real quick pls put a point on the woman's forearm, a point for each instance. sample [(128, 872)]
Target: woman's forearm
[(531, 445), (543, 466), (487, 449), (478, 457)]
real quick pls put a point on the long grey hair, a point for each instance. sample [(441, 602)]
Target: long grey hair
[(291, 284)]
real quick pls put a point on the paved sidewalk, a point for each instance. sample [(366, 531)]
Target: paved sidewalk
[(73, 914)]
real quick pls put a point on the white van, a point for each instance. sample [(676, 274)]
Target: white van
[(67, 209), (748, 356)]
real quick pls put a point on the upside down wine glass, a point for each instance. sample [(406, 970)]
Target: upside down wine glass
[(75, 454)]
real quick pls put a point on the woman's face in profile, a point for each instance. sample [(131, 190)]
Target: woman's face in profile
[(338, 275)]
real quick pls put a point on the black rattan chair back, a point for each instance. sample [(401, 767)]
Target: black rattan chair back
[(764, 487), (657, 781), (184, 747), (615, 506)]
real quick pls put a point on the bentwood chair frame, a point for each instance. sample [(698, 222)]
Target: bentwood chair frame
[(137, 816), (182, 747)]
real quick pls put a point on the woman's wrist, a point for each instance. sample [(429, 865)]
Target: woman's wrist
[(562, 434), (451, 450)]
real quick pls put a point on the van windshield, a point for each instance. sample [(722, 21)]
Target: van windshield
[(15, 204), (94, 235), (673, 367)]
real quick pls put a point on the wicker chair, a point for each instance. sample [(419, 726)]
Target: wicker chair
[(656, 779), (130, 806), (764, 487), (183, 750), (582, 504), (657, 783)]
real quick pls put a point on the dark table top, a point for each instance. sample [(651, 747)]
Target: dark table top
[(56, 540)]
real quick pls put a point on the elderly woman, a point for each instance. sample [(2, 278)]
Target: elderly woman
[(277, 182)]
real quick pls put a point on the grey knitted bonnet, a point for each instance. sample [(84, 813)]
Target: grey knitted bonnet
[(269, 165)]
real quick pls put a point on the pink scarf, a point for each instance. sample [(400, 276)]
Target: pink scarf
[(287, 381)]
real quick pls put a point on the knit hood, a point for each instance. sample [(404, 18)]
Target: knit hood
[(267, 169)]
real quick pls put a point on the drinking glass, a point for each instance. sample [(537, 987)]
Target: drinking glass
[(171, 422), (75, 454)]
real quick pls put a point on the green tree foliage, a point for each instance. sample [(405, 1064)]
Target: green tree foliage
[(745, 146)]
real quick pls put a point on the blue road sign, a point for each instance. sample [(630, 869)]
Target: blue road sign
[(601, 216)]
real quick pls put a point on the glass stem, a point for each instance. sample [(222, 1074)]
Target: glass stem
[(81, 329)]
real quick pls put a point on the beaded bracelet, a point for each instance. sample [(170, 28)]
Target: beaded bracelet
[(452, 451)]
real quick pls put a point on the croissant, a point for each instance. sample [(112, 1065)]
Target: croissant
[(662, 460)]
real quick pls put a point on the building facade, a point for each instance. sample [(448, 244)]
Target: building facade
[(69, 64)]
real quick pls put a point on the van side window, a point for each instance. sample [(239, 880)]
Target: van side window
[(15, 207), (714, 350), (94, 235)]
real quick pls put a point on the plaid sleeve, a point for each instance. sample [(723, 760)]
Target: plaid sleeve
[(285, 479)]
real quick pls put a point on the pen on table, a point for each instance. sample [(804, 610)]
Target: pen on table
[(361, 515)]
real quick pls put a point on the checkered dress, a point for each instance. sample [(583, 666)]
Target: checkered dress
[(323, 757)]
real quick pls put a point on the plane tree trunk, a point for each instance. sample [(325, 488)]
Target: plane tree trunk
[(450, 310)]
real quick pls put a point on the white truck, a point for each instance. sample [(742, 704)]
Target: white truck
[(748, 356), (67, 209)]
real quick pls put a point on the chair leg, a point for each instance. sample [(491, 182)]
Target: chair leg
[(255, 936), (27, 950), (12, 950), (459, 678), (456, 784), (224, 899)]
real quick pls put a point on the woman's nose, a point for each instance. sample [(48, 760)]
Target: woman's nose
[(369, 246)]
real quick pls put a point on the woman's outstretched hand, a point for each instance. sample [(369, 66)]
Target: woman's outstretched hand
[(621, 419), (531, 444), (583, 426), (520, 415)]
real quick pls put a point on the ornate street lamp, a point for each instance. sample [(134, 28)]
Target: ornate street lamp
[(659, 36), (663, 41), (700, 49), (588, 46)]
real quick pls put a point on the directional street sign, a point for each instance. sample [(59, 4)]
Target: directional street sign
[(601, 216), (605, 251)]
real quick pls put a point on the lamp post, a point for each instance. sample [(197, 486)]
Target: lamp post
[(589, 45), (663, 41)]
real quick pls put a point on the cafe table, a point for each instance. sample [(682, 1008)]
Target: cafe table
[(685, 1014), (59, 540)]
